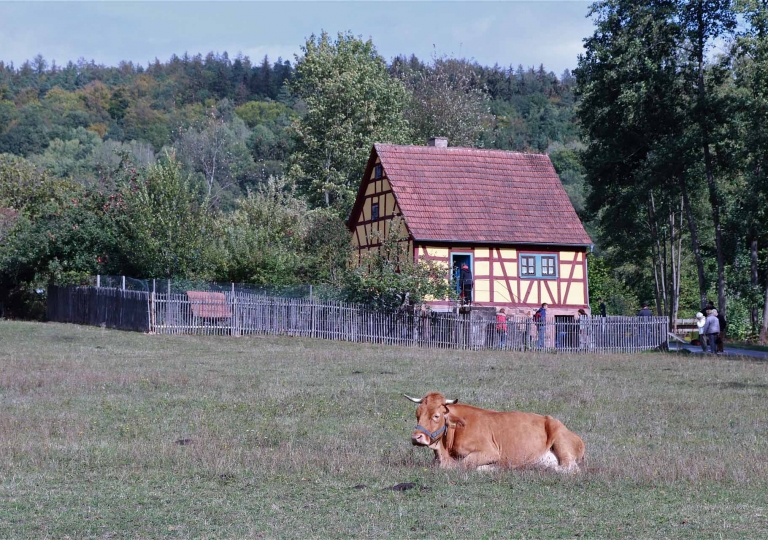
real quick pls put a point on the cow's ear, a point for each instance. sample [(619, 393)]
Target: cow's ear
[(453, 418)]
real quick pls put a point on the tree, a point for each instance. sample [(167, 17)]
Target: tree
[(629, 83), (750, 64), (383, 279), (703, 22), (216, 149), (351, 103), (165, 230), (447, 102)]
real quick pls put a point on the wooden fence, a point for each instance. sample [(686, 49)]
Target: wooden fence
[(110, 308), (252, 314), (241, 314)]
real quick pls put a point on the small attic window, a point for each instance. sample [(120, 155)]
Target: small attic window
[(375, 211), (378, 171)]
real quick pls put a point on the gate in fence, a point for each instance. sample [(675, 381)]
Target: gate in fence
[(238, 314)]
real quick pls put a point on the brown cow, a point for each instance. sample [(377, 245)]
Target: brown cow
[(467, 436)]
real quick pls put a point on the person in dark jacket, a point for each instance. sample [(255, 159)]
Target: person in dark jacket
[(721, 336), (540, 317), (712, 329), (467, 281), (645, 312), (601, 307)]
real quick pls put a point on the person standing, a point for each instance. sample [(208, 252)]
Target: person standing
[(644, 312), (467, 281), (712, 329), (541, 323), (501, 326), (601, 307), (721, 336), (701, 321)]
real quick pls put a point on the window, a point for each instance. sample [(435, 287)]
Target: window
[(527, 266), (538, 266), (375, 211), (378, 171), (548, 266)]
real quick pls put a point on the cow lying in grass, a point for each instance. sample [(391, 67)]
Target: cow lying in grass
[(467, 436)]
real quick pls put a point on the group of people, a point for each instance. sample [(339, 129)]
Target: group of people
[(711, 325), (538, 318)]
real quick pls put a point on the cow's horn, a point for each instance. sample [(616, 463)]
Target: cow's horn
[(415, 400), (451, 401)]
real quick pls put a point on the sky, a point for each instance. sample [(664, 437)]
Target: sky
[(507, 33)]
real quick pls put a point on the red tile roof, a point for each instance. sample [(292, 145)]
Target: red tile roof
[(473, 195)]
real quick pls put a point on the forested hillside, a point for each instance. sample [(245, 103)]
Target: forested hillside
[(202, 166), (217, 168)]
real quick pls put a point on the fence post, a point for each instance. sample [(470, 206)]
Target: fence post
[(312, 316), (123, 282), (152, 308), (235, 331), (98, 280)]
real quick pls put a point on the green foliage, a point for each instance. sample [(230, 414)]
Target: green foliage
[(50, 230), (272, 238), (263, 237), (446, 102), (269, 113), (165, 229), (618, 297), (383, 278), (70, 158), (351, 103), (567, 163)]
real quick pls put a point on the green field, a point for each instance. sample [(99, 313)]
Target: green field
[(283, 433)]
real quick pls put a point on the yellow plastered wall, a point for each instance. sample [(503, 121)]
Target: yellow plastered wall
[(390, 203), (501, 291), (576, 294), (545, 296), (482, 290), (481, 253), (437, 252), (362, 235), (525, 286), (481, 268)]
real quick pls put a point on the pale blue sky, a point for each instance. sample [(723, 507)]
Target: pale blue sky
[(507, 33)]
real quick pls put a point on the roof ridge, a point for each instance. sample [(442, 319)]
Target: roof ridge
[(455, 148)]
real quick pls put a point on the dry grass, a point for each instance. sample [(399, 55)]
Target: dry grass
[(280, 430)]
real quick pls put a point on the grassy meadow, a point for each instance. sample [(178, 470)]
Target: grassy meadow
[(107, 434)]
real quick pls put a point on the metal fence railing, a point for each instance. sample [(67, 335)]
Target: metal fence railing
[(238, 314)]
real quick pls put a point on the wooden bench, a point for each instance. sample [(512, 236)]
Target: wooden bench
[(685, 328)]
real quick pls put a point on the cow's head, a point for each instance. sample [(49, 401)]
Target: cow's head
[(431, 420)]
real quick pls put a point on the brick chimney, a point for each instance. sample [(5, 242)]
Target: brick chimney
[(438, 142)]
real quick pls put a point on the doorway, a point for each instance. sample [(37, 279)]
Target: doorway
[(457, 260)]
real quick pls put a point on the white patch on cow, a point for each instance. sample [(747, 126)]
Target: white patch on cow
[(547, 461), (573, 468)]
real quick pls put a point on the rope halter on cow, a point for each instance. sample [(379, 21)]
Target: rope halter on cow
[(434, 436)]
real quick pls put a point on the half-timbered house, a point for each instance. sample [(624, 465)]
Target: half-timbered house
[(504, 214)]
